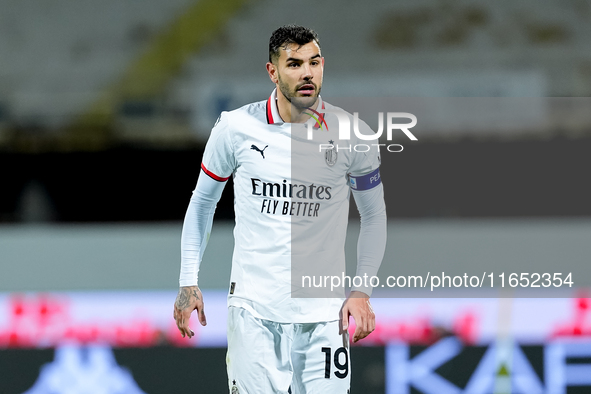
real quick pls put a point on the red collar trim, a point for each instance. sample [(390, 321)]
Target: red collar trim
[(269, 111), (271, 104)]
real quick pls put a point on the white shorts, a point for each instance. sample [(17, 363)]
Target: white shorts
[(268, 357)]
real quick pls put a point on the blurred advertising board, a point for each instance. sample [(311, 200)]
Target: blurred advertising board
[(127, 342), (144, 319)]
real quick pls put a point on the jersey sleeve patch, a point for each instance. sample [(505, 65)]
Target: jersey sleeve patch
[(365, 182)]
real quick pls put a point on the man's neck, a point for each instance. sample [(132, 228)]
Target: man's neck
[(286, 110)]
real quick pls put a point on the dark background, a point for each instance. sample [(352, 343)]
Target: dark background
[(465, 178)]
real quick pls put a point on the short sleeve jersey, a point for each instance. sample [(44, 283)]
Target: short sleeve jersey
[(291, 202)]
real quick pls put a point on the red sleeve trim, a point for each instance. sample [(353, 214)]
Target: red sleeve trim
[(212, 175)]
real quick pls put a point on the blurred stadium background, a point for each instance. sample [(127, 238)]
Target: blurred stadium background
[(105, 108)]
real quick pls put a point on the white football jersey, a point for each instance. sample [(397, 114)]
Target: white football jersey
[(291, 205)]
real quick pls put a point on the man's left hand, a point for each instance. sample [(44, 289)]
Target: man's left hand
[(358, 306)]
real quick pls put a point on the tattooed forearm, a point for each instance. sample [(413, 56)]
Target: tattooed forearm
[(186, 297)]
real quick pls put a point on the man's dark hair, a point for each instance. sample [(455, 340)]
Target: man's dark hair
[(289, 34)]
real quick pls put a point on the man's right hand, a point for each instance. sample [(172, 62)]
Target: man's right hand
[(188, 299)]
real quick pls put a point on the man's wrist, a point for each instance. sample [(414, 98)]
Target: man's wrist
[(360, 293), (188, 284)]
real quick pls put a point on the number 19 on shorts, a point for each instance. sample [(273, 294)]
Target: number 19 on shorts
[(342, 367)]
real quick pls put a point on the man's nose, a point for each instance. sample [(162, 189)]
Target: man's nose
[(307, 71)]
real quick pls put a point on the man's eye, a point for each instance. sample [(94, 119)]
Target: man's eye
[(315, 63), (292, 65)]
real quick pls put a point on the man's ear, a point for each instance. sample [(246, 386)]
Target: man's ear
[(272, 70)]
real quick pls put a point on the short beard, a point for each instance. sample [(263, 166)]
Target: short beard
[(300, 103)]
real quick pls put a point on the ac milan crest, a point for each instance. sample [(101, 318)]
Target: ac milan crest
[(331, 155)]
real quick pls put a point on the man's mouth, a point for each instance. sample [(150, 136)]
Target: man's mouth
[(307, 89)]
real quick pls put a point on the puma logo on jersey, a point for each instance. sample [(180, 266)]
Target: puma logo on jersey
[(254, 147)]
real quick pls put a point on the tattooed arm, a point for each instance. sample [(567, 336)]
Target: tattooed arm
[(188, 299), (196, 229)]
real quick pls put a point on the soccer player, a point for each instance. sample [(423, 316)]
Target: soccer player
[(292, 185)]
